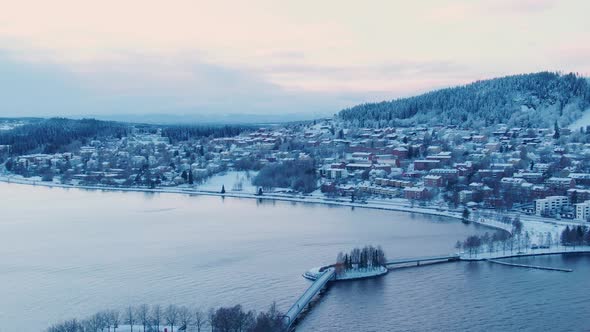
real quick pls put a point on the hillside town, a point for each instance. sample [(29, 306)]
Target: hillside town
[(540, 171)]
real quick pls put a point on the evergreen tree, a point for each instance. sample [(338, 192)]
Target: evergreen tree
[(191, 179), (579, 235), (465, 214), (565, 235), (555, 130)]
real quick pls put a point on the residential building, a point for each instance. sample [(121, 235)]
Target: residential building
[(583, 211), (550, 205)]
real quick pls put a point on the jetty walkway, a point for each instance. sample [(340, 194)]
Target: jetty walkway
[(328, 274), (418, 260), (291, 316)]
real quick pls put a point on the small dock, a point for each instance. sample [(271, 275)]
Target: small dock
[(530, 266)]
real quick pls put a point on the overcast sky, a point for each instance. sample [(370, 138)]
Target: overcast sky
[(75, 57)]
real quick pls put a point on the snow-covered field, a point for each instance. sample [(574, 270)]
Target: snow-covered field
[(362, 273), (581, 122), (314, 273), (233, 181)]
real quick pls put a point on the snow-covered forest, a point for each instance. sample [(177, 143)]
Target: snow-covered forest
[(528, 100)]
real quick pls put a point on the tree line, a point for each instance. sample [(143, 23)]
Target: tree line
[(155, 318), (364, 258), (55, 134), (178, 133), (299, 175), (575, 236), (518, 240), (504, 241)]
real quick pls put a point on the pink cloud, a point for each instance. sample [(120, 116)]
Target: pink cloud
[(521, 6), (449, 13)]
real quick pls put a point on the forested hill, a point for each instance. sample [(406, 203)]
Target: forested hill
[(55, 134), (537, 99), (61, 134)]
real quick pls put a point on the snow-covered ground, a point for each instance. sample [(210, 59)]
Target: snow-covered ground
[(581, 122), (314, 273), (139, 328), (233, 181), (537, 226), (362, 273), (525, 253)]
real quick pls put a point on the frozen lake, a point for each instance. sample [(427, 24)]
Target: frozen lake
[(69, 253)]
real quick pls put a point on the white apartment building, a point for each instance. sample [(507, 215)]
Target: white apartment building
[(583, 211), (551, 204)]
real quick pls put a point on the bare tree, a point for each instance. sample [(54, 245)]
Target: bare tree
[(232, 319), (90, 324), (171, 316), (106, 320), (269, 321), (485, 239), (117, 319), (527, 240), (114, 319), (67, 326), (130, 317), (200, 319), (143, 315), (223, 319), (156, 316), (98, 321), (184, 318), (71, 326)]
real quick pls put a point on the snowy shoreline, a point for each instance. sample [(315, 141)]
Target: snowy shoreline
[(533, 224), (529, 253), (377, 205)]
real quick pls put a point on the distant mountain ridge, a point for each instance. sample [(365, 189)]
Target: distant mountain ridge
[(537, 99)]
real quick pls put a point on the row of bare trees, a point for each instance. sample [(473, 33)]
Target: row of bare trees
[(504, 241), (155, 318), (519, 241)]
